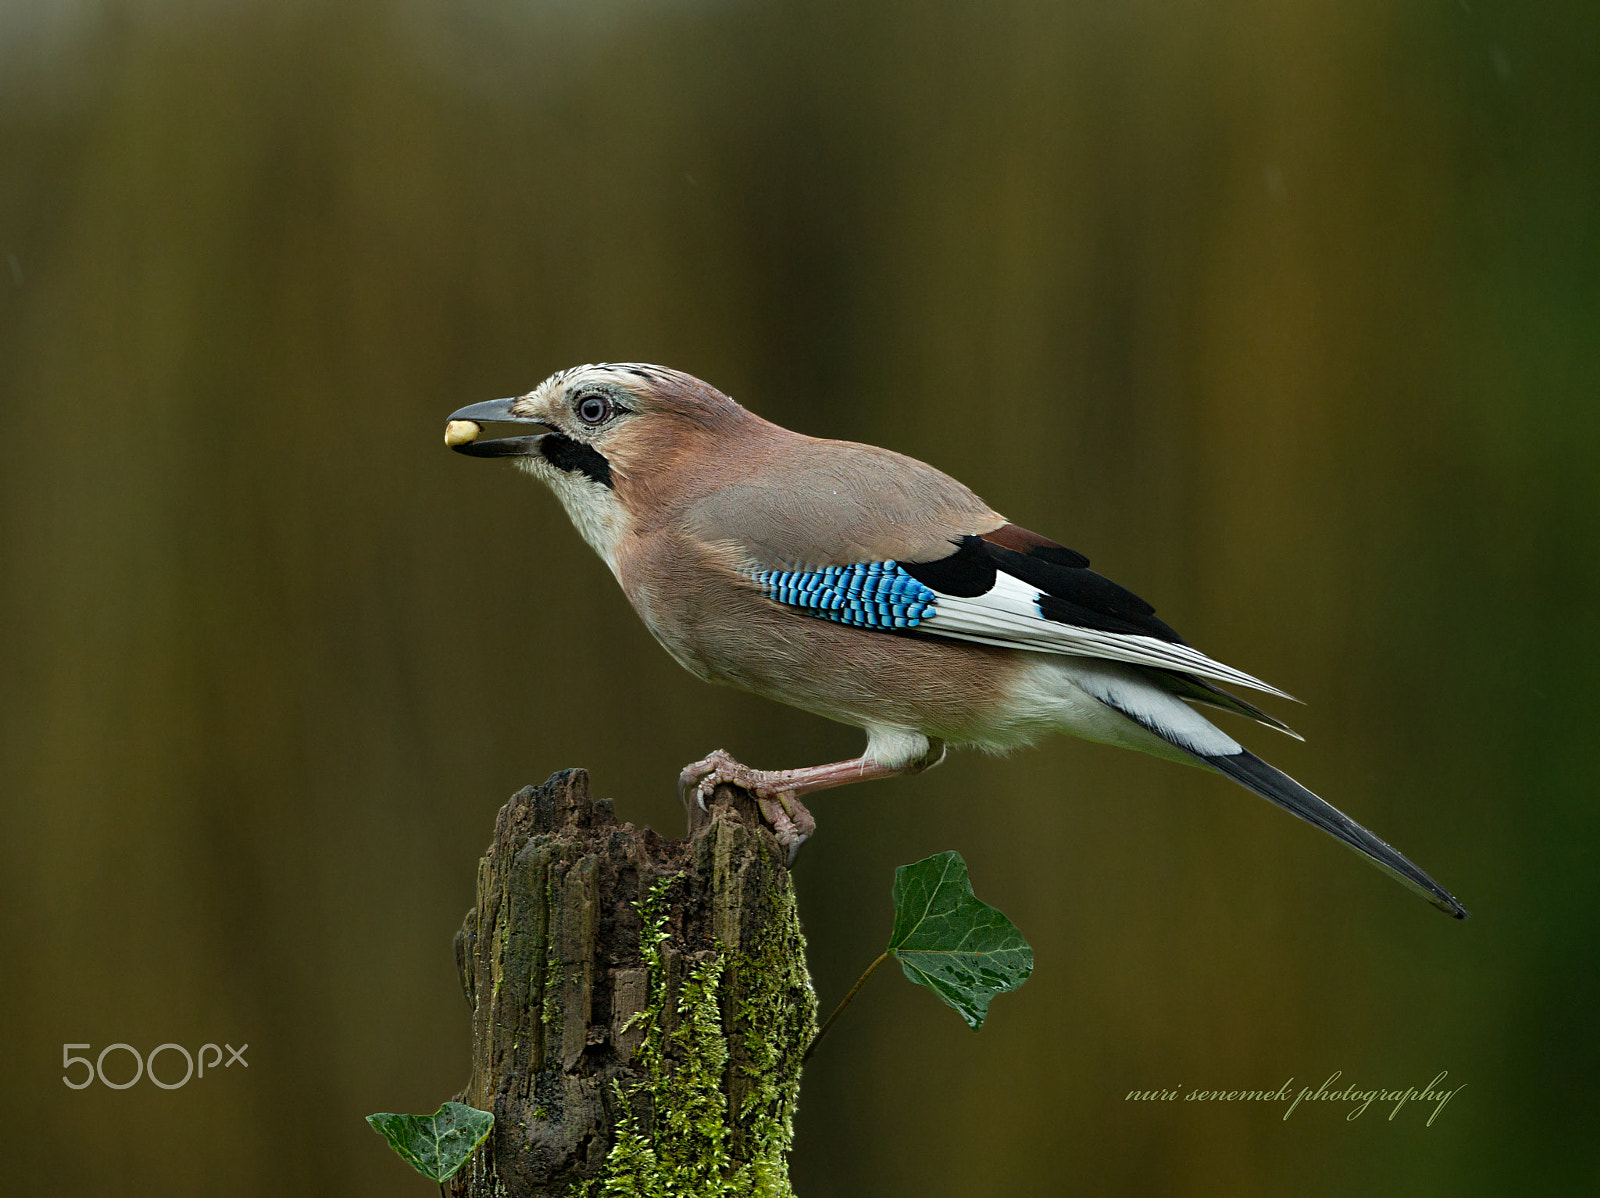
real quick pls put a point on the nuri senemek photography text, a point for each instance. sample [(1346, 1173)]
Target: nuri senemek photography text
[(1434, 1094)]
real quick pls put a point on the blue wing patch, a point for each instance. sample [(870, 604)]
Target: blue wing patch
[(878, 595)]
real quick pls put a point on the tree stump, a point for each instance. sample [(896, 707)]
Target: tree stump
[(640, 1006)]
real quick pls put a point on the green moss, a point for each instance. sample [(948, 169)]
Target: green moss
[(777, 1031), (548, 987), (685, 1150), (550, 1003)]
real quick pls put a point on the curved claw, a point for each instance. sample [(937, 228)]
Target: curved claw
[(791, 823), (697, 774)]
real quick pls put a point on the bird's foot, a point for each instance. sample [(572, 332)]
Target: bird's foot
[(780, 805)]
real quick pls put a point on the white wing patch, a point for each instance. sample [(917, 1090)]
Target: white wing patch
[(1008, 616)]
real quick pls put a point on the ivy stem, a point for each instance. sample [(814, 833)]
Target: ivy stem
[(843, 1003)]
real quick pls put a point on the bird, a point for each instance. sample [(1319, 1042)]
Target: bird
[(873, 589)]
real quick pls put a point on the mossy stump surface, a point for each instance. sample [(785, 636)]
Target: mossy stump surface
[(640, 1006)]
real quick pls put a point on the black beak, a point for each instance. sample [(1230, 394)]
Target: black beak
[(461, 435)]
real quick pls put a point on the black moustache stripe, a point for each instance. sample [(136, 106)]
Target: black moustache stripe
[(564, 453)]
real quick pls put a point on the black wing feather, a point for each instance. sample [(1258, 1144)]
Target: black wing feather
[(1077, 595), (966, 573), (1071, 592)]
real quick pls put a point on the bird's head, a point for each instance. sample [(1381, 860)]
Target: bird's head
[(612, 439)]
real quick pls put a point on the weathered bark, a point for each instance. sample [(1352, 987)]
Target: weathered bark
[(640, 1006)]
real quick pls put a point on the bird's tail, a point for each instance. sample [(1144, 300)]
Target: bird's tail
[(1146, 703), (1272, 784)]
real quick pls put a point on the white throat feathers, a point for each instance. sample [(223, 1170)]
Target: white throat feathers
[(592, 506)]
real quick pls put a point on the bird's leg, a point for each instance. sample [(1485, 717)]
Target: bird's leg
[(778, 792)]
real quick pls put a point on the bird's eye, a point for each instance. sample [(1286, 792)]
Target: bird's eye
[(593, 409)]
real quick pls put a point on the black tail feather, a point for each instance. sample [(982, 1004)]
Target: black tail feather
[(1277, 787), (1273, 784)]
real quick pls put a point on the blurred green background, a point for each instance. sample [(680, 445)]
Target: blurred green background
[(1286, 314)]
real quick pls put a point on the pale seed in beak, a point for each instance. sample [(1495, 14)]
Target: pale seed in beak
[(460, 432)]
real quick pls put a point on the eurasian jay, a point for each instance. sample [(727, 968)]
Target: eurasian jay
[(868, 587)]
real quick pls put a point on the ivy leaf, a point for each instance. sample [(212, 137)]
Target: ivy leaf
[(952, 942), (435, 1145)]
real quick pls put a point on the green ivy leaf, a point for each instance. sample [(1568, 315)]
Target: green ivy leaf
[(952, 942), (435, 1145)]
